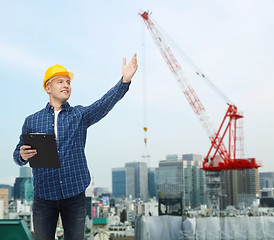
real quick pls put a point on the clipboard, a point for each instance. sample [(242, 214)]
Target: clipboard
[(47, 154)]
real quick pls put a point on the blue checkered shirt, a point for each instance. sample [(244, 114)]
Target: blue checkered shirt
[(73, 177)]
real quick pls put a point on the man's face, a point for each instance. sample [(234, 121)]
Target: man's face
[(59, 88)]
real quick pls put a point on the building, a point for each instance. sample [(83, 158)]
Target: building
[(23, 188), (130, 181), (198, 179), (89, 207), (2, 211), (266, 180), (10, 188), (123, 182), (267, 197), (266, 189), (181, 175), (151, 182), (118, 182), (98, 191), (239, 188), (25, 172), (140, 179), (4, 197)]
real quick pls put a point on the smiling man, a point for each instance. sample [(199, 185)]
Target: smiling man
[(62, 191)]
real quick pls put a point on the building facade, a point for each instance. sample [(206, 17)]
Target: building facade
[(23, 188), (123, 182), (140, 179), (10, 189), (239, 188), (151, 183), (266, 180), (25, 172), (130, 181), (4, 197), (181, 175), (119, 182)]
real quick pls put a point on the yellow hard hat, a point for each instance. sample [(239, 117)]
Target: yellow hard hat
[(56, 70)]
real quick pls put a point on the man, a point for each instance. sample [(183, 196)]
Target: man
[(62, 190)]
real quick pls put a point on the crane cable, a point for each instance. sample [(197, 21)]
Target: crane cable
[(194, 67), (145, 153)]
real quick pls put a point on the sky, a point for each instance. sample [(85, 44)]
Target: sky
[(231, 41)]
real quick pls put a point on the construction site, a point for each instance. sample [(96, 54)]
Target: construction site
[(226, 168)]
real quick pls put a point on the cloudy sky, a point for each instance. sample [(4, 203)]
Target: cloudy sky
[(231, 41)]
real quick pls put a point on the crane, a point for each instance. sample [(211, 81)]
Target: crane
[(219, 157)]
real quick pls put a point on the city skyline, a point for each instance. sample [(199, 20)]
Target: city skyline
[(230, 41)]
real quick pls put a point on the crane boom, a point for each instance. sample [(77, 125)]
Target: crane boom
[(227, 159)]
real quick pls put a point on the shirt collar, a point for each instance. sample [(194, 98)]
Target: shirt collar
[(65, 107)]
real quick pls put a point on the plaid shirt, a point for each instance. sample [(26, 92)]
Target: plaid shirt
[(73, 177)]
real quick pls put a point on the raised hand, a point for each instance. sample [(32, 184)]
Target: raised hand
[(129, 70)]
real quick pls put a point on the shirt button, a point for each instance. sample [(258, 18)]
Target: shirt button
[(61, 181)]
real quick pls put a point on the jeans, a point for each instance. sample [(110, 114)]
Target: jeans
[(73, 215)]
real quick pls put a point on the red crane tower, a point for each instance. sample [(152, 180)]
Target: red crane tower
[(227, 159)]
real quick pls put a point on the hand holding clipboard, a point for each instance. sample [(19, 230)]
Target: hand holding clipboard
[(47, 154)]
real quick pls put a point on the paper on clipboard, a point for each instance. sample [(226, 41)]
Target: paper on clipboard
[(47, 154)]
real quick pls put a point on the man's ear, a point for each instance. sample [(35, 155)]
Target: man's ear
[(48, 89)]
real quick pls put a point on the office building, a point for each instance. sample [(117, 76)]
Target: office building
[(23, 188), (239, 188), (25, 172), (140, 179), (151, 182), (267, 197), (181, 175), (123, 182), (119, 182), (266, 180)]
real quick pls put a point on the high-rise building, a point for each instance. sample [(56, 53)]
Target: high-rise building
[(25, 172), (198, 179), (151, 182), (132, 180), (119, 182), (239, 187), (123, 182), (266, 180), (140, 179), (181, 175), (23, 188)]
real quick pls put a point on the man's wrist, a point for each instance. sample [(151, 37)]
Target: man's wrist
[(125, 80)]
